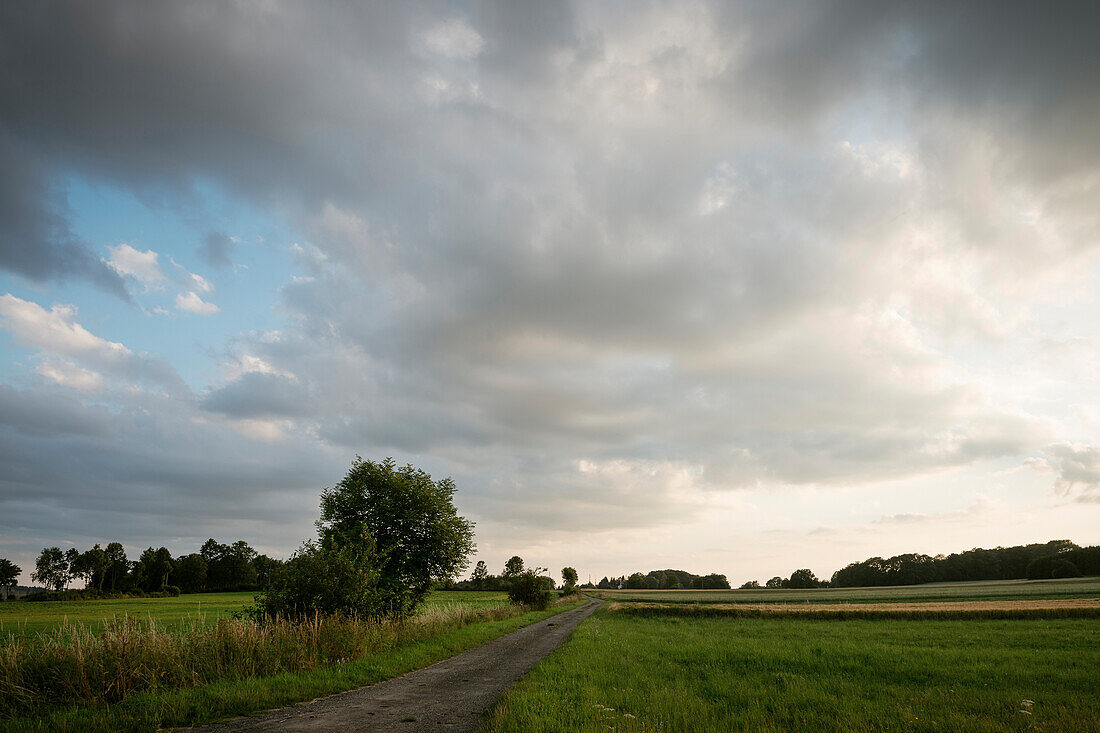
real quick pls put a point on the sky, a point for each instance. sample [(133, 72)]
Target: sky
[(728, 287)]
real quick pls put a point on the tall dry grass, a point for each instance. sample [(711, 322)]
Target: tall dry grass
[(76, 665)]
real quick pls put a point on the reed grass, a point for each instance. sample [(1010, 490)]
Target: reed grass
[(76, 665)]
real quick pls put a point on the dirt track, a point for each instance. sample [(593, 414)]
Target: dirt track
[(450, 695)]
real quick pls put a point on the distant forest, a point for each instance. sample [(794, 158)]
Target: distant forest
[(107, 571), (665, 580), (1054, 559)]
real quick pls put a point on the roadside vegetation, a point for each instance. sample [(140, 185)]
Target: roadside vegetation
[(646, 672), (351, 607), (135, 677)]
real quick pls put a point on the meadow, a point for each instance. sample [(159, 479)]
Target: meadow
[(993, 590), (21, 618), (637, 672), (144, 672)]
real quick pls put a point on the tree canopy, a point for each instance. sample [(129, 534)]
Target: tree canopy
[(411, 521)]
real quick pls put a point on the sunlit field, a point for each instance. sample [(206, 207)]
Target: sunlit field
[(21, 618), (992, 590), (634, 672)]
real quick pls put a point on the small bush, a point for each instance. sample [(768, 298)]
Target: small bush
[(531, 588), (327, 579)]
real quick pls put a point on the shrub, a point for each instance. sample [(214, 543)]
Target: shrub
[(531, 588), (336, 577)]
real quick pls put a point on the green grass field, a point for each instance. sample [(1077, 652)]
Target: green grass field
[(397, 649), (994, 590), (629, 672), (20, 618)]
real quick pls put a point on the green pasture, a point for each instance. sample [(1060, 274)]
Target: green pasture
[(404, 649), (992, 590), (21, 618), (630, 672)]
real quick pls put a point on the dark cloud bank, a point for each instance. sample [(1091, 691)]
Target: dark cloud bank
[(608, 254)]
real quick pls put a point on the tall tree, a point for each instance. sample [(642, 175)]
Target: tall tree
[(118, 567), (190, 573), (153, 568), (411, 520), (51, 569), (72, 559), (513, 567), (568, 579), (9, 575), (477, 578), (94, 564)]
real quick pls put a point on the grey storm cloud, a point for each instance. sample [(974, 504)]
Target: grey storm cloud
[(36, 240), (617, 248), (256, 395)]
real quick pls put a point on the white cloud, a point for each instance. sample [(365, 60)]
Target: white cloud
[(67, 374), (56, 330), (249, 364), (200, 283), (142, 266), (192, 303)]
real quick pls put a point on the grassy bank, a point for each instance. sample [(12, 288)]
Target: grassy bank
[(21, 618), (639, 672), (139, 677), (992, 590)]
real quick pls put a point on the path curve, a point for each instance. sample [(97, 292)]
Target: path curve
[(450, 695)]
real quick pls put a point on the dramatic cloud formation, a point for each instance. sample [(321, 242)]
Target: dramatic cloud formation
[(612, 266)]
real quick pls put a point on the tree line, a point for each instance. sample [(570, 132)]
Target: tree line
[(216, 567), (665, 580), (1039, 561), (1054, 559)]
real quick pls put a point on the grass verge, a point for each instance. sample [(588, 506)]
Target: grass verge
[(638, 672), (320, 672)]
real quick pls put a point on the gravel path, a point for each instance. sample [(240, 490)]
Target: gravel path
[(450, 695)]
